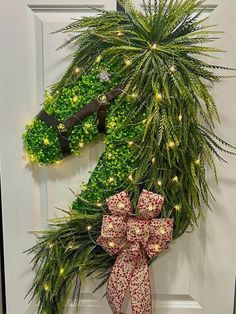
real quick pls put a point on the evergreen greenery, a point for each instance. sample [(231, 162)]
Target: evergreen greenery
[(160, 132)]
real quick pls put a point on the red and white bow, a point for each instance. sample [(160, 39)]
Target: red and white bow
[(133, 239)]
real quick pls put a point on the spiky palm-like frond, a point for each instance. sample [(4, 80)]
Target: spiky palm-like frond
[(160, 55)]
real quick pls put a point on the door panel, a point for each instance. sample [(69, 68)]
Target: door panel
[(197, 274)]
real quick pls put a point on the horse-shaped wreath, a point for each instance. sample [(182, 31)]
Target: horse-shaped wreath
[(138, 77)]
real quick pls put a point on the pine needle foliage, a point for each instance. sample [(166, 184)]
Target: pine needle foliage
[(160, 53)]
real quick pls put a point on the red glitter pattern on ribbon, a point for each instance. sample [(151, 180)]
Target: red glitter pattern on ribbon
[(133, 240)]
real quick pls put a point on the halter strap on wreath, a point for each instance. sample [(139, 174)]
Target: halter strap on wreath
[(98, 105)]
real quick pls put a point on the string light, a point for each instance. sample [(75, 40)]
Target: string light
[(159, 182), (89, 228), (128, 62), (130, 177), (162, 230), (154, 46), (46, 141), (133, 95), (177, 207), (99, 204), (70, 246), (158, 96), (130, 143), (62, 271), (175, 179), (98, 59), (51, 245), (197, 162), (111, 244), (119, 33), (171, 144), (75, 98), (153, 160), (81, 144), (121, 205), (77, 70), (172, 68), (46, 287)]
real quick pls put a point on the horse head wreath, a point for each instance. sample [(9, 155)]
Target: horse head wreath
[(136, 76)]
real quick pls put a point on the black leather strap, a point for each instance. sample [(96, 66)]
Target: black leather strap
[(98, 105)]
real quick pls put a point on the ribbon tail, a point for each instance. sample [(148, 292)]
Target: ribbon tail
[(140, 287), (120, 278)]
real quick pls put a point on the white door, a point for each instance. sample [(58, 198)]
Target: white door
[(197, 275)]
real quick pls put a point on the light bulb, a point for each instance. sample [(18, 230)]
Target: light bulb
[(46, 141), (119, 33), (128, 62), (175, 179), (99, 204), (171, 144), (81, 144), (197, 161), (62, 271), (77, 70), (98, 59), (75, 98), (177, 207), (172, 68), (154, 46), (130, 143), (89, 228), (111, 244), (153, 160), (46, 287), (130, 177), (159, 182), (180, 117)]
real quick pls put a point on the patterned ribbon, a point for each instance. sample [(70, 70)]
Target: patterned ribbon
[(133, 240)]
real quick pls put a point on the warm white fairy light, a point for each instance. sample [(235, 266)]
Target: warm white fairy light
[(62, 271), (110, 225), (46, 287), (130, 143), (120, 33), (175, 179), (81, 144), (177, 207), (159, 96), (171, 144), (111, 244), (51, 245), (154, 46), (46, 141), (89, 228), (172, 69), (128, 62), (98, 59), (130, 177), (180, 117), (159, 182), (75, 98), (99, 204), (197, 162), (134, 95), (162, 230), (77, 70), (121, 205), (153, 160)]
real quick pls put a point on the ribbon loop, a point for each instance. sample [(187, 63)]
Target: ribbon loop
[(133, 239)]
